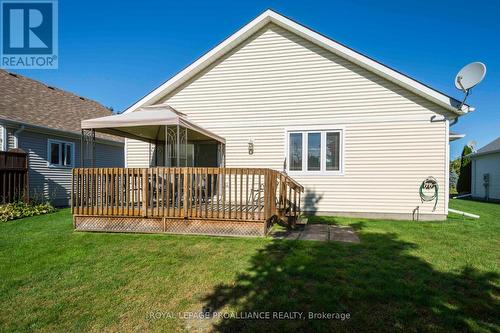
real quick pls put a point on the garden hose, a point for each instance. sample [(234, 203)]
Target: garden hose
[(430, 183)]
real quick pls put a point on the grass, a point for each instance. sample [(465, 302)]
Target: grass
[(404, 276)]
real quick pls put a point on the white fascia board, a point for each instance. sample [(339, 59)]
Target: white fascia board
[(455, 136), (268, 16)]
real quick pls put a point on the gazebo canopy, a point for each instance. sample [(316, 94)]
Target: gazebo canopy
[(148, 124)]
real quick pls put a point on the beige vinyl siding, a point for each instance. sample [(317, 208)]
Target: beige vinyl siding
[(138, 156), (277, 80), (481, 165)]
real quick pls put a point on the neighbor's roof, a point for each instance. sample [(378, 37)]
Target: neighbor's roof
[(456, 136), (490, 148), (30, 102), (269, 16)]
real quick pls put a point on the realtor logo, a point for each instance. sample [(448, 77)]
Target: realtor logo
[(28, 34)]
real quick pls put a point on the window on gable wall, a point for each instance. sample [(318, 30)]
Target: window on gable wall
[(60, 153), (314, 151)]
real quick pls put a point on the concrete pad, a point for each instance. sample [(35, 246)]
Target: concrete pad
[(315, 232), (319, 232), (343, 234)]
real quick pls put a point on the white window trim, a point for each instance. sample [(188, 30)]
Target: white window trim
[(315, 129), (3, 147), (60, 142)]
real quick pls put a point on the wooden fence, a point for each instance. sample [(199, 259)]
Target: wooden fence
[(242, 194), (13, 176)]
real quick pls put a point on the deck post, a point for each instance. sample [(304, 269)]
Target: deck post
[(272, 196), (185, 190), (266, 194), (145, 185)]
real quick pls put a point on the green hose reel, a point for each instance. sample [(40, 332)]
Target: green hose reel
[(430, 183)]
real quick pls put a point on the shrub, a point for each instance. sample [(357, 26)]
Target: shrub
[(20, 209)]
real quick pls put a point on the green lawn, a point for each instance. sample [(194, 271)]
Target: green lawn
[(404, 276)]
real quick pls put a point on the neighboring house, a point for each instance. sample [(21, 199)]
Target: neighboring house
[(486, 172), (360, 136), (45, 122)]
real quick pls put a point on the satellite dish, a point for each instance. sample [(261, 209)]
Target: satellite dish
[(470, 75), (472, 144)]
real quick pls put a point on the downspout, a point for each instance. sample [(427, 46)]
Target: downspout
[(453, 122), (16, 134)]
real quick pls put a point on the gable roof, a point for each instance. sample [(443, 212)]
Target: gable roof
[(490, 148), (30, 102), (270, 16)]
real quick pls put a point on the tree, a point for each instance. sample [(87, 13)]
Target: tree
[(453, 181), (455, 165), (464, 179)]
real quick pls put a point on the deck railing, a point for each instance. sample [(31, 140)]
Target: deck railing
[(13, 176), (245, 194)]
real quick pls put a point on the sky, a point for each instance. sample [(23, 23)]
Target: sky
[(115, 52)]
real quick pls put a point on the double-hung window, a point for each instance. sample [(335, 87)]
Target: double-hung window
[(60, 153), (314, 151)]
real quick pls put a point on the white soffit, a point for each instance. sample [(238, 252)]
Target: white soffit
[(270, 16)]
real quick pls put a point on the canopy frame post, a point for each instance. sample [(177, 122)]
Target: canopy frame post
[(178, 146), (185, 146), (222, 155), (166, 153), (87, 147)]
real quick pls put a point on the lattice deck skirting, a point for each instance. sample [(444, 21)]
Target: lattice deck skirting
[(170, 225)]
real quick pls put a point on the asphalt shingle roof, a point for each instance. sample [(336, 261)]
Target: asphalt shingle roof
[(491, 147), (33, 103)]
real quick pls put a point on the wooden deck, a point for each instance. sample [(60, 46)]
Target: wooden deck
[(214, 201)]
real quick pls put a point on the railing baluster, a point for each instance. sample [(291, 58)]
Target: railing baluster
[(252, 195), (223, 193), (206, 192), (241, 193), (230, 210), (259, 195), (199, 188), (179, 192), (247, 207), (217, 189), (166, 173), (212, 173), (132, 192)]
